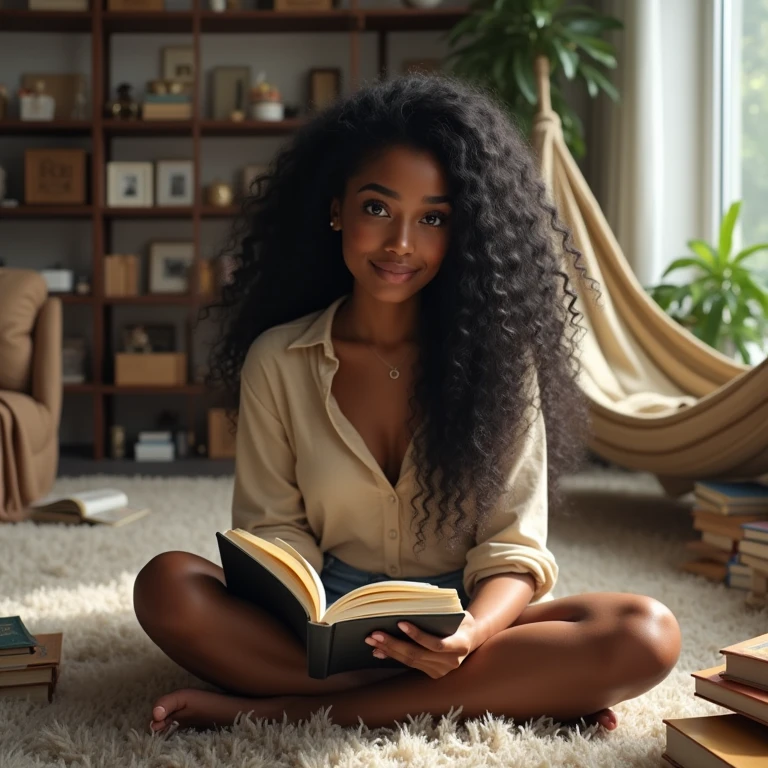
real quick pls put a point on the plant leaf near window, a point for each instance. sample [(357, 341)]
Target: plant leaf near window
[(502, 38), (725, 304)]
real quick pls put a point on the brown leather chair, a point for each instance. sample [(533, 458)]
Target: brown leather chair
[(30, 390)]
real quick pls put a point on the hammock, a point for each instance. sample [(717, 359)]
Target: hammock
[(661, 400)]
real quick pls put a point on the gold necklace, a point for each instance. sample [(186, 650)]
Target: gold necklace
[(394, 373)]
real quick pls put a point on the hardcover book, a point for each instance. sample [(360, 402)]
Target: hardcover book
[(279, 579), (15, 638)]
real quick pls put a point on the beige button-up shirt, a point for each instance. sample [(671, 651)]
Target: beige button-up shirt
[(304, 474)]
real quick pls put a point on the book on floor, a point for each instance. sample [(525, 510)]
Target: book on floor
[(747, 662), (742, 699), (738, 498), (33, 676), (704, 551), (104, 506), (15, 638), (278, 578), (716, 740), (41, 692)]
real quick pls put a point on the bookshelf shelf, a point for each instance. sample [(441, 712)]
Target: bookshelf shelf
[(147, 127), (277, 21), (47, 212), (411, 19), (147, 21), (57, 127), (153, 212), (13, 20), (197, 24)]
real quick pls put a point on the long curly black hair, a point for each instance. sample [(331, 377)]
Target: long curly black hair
[(499, 307)]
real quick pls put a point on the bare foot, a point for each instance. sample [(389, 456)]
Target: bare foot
[(193, 708), (605, 717)]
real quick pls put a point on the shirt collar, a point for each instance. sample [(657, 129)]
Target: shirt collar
[(319, 330)]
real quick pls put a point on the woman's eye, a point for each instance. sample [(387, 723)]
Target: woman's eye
[(374, 205), (438, 216)]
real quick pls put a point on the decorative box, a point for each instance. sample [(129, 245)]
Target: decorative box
[(36, 106), (55, 176), (59, 280), (162, 369)]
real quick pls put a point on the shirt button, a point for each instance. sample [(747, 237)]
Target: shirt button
[(393, 499), (392, 570), (393, 534)]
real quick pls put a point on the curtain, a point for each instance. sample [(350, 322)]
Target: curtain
[(650, 160)]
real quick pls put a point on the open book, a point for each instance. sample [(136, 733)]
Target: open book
[(106, 506), (276, 577)]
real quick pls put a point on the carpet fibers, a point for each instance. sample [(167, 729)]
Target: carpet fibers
[(623, 536)]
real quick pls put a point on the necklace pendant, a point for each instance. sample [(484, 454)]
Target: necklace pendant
[(394, 374)]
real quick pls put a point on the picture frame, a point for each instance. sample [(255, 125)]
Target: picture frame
[(178, 63), (174, 182), (129, 185), (55, 176), (250, 172), (230, 91), (170, 264), (324, 87)]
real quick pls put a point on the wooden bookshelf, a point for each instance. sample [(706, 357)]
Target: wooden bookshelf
[(198, 22)]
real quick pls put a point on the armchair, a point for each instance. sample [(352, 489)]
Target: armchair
[(30, 390)]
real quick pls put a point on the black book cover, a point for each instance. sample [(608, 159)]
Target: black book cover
[(333, 648)]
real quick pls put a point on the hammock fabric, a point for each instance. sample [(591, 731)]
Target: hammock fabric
[(661, 400)]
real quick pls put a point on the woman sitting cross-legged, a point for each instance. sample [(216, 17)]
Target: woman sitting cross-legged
[(399, 338)]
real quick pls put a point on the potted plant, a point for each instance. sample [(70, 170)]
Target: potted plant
[(507, 36), (726, 303)]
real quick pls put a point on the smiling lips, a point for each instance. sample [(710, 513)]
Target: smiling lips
[(391, 272)]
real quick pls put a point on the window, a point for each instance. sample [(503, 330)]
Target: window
[(744, 130)]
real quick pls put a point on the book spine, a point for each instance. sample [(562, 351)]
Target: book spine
[(319, 643)]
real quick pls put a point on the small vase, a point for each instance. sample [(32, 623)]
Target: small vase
[(268, 110)]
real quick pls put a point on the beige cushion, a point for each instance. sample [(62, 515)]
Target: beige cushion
[(22, 293)]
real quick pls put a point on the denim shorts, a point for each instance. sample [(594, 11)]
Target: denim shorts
[(339, 578)]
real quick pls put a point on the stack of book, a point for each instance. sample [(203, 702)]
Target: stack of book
[(738, 739), (724, 514), (154, 446), (29, 665), (167, 106)]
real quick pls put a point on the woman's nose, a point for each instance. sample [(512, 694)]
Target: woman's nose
[(401, 241)]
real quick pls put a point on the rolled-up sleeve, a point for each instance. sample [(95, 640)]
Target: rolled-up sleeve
[(266, 499), (514, 539)]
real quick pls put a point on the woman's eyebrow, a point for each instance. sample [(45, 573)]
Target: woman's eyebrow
[(433, 200)]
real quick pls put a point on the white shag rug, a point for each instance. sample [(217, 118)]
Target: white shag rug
[(625, 536)]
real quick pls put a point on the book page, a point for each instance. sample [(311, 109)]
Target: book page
[(313, 574), (88, 502), (115, 517), (387, 598), (282, 565)]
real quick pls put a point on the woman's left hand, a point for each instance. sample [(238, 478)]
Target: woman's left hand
[(436, 656)]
